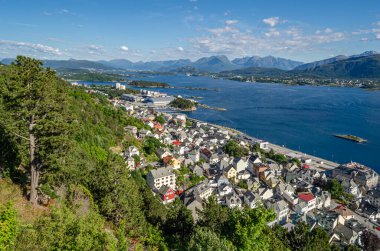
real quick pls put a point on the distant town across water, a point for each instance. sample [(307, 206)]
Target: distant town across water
[(303, 118)]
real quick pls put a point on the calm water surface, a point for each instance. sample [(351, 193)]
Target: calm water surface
[(300, 117)]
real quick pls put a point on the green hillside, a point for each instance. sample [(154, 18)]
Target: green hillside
[(361, 67)]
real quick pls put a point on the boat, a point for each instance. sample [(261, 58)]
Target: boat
[(351, 137)]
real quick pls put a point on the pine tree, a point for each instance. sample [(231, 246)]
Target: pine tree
[(33, 100)]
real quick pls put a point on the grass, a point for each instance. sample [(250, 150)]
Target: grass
[(27, 213)]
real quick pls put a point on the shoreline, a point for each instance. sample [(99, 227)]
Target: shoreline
[(320, 164), (323, 164)]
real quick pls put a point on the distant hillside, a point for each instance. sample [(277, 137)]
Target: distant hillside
[(76, 64), (257, 71), (214, 64), (150, 65), (267, 62), (187, 69), (353, 67), (70, 64), (118, 63), (206, 64), (315, 64)]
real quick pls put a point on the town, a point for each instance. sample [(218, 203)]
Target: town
[(194, 161)]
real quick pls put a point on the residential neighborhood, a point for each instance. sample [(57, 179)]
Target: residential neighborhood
[(197, 161)]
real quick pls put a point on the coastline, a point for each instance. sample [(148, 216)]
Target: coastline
[(326, 156), (323, 164)]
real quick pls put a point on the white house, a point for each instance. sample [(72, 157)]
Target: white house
[(280, 208), (240, 164), (131, 151), (309, 199), (161, 176)]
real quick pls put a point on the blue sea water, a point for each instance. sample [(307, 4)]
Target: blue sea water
[(299, 117)]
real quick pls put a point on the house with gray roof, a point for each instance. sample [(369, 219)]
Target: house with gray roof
[(161, 176)]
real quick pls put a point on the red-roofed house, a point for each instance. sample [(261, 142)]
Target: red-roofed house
[(158, 126), (309, 199), (176, 143), (167, 194)]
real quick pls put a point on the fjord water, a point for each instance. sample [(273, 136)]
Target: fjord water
[(299, 117)]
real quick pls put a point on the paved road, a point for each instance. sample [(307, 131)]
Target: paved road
[(321, 164)]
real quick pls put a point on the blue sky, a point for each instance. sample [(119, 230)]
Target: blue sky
[(145, 30)]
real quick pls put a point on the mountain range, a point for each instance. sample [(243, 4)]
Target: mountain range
[(365, 65), (361, 66), (206, 64)]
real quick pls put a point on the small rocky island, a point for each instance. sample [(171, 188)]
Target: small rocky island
[(183, 104), (351, 137)]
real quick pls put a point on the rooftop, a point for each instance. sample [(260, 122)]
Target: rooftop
[(306, 196), (161, 172)]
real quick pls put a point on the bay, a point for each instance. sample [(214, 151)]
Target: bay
[(303, 118)]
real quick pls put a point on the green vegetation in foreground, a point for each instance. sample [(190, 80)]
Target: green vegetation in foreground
[(148, 84), (86, 198), (183, 104)]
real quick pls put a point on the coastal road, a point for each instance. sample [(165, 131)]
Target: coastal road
[(320, 164)]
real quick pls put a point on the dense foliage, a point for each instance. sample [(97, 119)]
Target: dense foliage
[(233, 148), (81, 75), (8, 227)]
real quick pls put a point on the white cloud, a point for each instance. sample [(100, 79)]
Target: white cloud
[(364, 39), (272, 33), (375, 31), (231, 22), (124, 48), (271, 21), (28, 48), (95, 49), (235, 42), (180, 48)]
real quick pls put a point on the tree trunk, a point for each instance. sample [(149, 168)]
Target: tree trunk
[(34, 173)]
